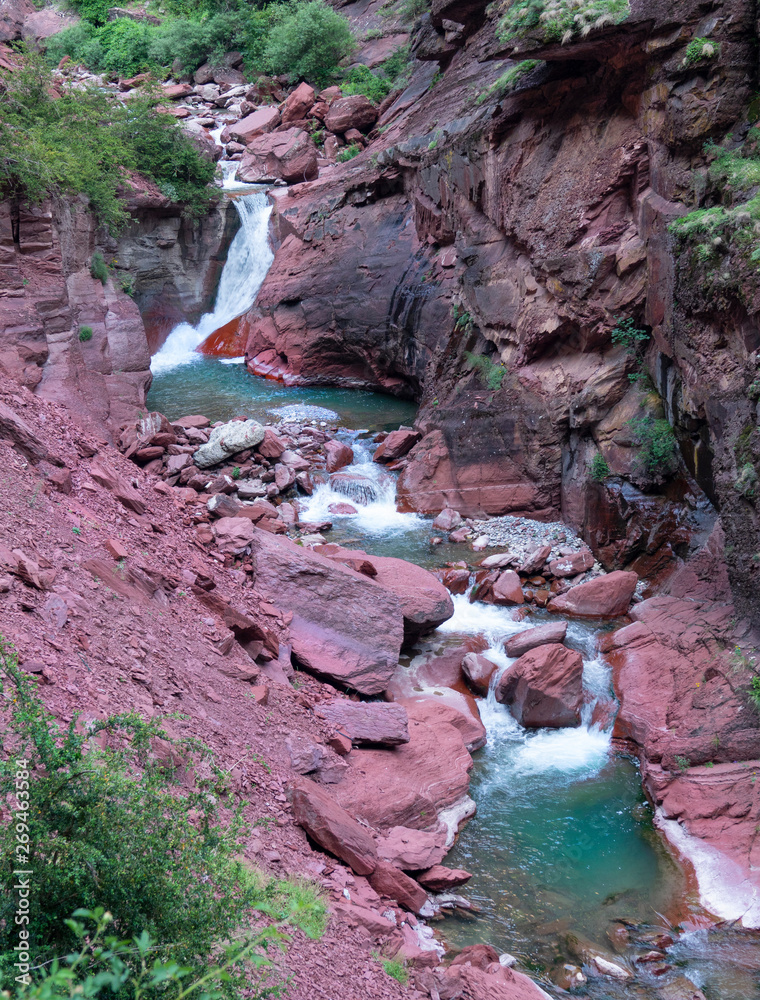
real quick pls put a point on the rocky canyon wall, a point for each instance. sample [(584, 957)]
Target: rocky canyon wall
[(517, 224), (168, 265)]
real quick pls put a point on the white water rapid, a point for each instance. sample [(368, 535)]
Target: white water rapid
[(377, 517), (585, 748), (248, 261)]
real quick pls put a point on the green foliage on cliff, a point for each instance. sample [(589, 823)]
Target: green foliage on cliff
[(747, 481), (599, 470), (699, 50), (491, 373), (733, 176), (104, 826), (84, 142), (658, 449), (559, 20), (393, 74), (509, 80)]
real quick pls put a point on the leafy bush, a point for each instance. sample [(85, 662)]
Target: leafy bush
[(99, 268), (658, 445), (348, 153), (491, 374), (396, 970), (626, 334), (106, 829), (508, 81), (700, 49), (84, 141), (309, 43), (94, 11), (746, 484), (361, 80), (559, 20), (85, 334), (600, 470), (754, 692)]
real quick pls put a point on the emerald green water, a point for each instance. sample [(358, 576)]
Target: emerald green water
[(221, 391)]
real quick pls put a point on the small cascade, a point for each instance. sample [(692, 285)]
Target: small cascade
[(371, 488), (248, 261)]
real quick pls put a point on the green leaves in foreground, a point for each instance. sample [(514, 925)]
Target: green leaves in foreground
[(109, 831), (86, 142)]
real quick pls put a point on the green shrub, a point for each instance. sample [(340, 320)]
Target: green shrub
[(657, 443), (407, 10), (348, 153), (98, 267), (700, 49), (600, 470), (559, 20), (396, 970), (83, 142), (94, 11), (509, 80), (85, 334), (106, 828), (683, 764), (309, 43), (626, 334), (361, 80), (746, 484), (491, 373), (754, 692)]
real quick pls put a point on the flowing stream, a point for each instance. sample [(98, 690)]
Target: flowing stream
[(563, 842)]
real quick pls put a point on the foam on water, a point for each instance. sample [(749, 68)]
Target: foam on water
[(494, 623), (248, 261), (380, 517)]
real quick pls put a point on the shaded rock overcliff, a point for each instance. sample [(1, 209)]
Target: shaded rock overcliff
[(47, 294), (519, 227)]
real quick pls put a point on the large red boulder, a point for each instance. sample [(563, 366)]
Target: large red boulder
[(411, 784), (439, 878), (603, 597), (523, 642), (679, 696), (338, 455), (396, 445), (572, 565), (508, 589), (425, 601), (435, 711), (332, 828), (351, 112), (388, 880), (374, 722), (412, 849), (344, 625), (298, 104), (544, 687), (478, 671), (290, 156), (259, 122)]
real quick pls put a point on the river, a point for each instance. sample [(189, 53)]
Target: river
[(563, 849)]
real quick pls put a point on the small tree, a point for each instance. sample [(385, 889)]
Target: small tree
[(309, 44)]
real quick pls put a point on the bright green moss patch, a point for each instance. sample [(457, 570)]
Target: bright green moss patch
[(700, 49)]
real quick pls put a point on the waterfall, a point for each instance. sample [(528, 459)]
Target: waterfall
[(248, 261)]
